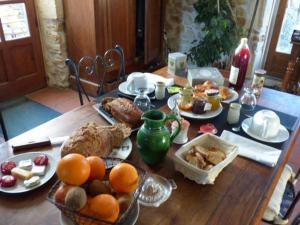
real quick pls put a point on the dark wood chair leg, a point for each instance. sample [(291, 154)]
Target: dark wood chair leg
[(3, 127)]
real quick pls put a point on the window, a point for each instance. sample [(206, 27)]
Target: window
[(290, 20), (14, 21)]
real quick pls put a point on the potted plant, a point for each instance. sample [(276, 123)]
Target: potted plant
[(221, 33)]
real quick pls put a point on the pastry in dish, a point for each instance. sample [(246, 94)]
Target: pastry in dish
[(225, 93), (123, 110), (93, 139)]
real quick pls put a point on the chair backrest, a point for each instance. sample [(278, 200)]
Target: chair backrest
[(98, 67)]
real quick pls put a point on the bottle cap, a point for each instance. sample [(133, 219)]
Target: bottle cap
[(244, 41)]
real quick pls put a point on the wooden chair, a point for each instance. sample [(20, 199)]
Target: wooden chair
[(112, 60), (3, 127), (284, 198)]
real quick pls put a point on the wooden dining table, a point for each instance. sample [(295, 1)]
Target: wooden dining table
[(239, 195)]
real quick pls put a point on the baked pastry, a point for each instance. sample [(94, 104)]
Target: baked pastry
[(92, 139), (225, 93), (215, 156), (123, 110), (204, 158)]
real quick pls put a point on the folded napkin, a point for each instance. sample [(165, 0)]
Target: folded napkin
[(253, 150), (155, 78)]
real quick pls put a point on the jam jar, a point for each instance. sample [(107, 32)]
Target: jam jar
[(213, 98)]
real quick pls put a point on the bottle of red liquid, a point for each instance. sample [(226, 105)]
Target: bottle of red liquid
[(239, 65)]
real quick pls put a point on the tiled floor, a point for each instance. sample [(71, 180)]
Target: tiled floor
[(61, 100), (64, 100)]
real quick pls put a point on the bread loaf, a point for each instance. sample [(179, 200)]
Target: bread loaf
[(92, 139), (123, 110)]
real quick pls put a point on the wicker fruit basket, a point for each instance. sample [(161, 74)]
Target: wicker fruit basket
[(81, 219)]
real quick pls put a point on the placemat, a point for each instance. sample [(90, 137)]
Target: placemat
[(220, 121)]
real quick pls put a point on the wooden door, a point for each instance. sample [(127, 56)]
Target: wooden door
[(279, 51), (21, 60), (121, 27), (153, 30)]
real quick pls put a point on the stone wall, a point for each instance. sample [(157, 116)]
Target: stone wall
[(51, 24), (181, 30)]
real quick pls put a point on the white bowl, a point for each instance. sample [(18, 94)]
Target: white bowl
[(204, 176)]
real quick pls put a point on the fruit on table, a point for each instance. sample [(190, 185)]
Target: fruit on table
[(61, 193), (8, 181), (124, 178), (73, 169), (97, 167), (76, 198), (97, 187), (105, 206), (7, 166), (124, 201), (41, 160)]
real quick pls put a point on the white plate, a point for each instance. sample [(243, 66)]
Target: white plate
[(124, 88), (122, 152), (192, 115), (19, 187), (132, 218), (282, 135), (234, 96)]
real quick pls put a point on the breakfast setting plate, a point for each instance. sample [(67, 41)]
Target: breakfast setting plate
[(127, 89), (20, 187), (190, 114), (234, 96), (282, 135)]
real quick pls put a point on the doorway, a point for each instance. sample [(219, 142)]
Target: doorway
[(21, 59), (280, 46)]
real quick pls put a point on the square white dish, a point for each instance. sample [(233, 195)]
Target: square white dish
[(201, 176)]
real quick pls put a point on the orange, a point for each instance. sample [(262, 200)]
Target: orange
[(73, 169), (61, 193), (97, 167), (105, 206), (124, 178)]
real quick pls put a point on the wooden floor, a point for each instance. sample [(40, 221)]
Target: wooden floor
[(64, 100)]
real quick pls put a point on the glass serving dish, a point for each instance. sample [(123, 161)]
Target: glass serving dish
[(79, 218)]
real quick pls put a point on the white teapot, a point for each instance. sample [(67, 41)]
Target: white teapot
[(265, 124)]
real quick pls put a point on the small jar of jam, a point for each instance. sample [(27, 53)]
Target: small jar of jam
[(213, 98)]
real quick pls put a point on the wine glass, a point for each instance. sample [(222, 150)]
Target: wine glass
[(248, 100), (142, 101)]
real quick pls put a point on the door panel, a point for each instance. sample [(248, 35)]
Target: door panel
[(122, 26), (21, 60), (3, 75), (153, 30), (280, 47)]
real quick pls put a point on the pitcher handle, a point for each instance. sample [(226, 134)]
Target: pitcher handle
[(174, 117)]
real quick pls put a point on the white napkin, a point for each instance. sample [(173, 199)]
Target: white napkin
[(253, 150), (155, 78)]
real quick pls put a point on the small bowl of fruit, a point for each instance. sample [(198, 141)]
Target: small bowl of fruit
[(92, 190)]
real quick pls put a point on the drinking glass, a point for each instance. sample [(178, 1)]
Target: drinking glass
[(142, 101), (248, 100)]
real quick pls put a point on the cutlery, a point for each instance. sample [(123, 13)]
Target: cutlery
[(38, 143)]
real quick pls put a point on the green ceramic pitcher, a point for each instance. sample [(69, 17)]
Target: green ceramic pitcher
[(154, 138)]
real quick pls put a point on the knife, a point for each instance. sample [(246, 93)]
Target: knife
[(37, 143)]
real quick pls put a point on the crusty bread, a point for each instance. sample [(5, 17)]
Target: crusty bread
[(92, 139), (123, 110), (215, 157)]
